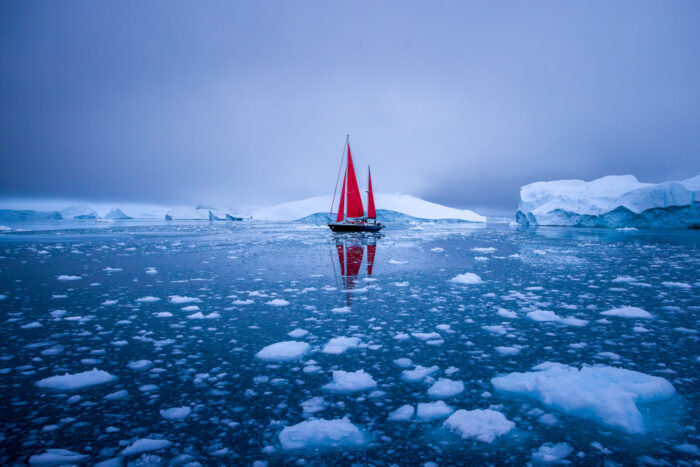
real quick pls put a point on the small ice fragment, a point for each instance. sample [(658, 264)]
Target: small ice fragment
[(283, 351)]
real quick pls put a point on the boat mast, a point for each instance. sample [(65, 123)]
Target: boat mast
[(340, 169)]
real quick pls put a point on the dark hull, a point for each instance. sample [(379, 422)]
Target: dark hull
[(339, 227)]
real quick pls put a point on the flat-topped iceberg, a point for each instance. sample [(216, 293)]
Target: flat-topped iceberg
[(398, 203), (612, 201)]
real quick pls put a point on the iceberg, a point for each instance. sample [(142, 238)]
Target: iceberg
[(28, 215), (79, 212), (612, 201), (393, 205), (116, 213)]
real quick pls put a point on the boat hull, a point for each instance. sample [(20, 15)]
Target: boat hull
[(341, 227)]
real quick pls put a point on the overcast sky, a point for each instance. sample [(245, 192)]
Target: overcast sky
[(248, 103)]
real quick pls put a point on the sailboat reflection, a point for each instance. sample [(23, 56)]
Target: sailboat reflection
[(351, 252)]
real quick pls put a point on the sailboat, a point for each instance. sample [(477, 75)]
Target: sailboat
[(351, 214)]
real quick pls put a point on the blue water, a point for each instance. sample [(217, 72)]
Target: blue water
[(239, 403)]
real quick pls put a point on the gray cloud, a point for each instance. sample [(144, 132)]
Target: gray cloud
[(249, 103)]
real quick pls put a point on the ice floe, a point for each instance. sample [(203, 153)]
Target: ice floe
[(322, 434), (72, 382), (350, 381), (604, 394), (483, 425), (283, 351), (627, 312)]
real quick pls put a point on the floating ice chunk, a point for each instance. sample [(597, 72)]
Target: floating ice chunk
[(550, 453), (444, 387), (677, 285), (338, 345), (402, 414), (76, 381), (200, 315), (349, 381), (550, 316), (164, 314), (548, 419), (140, 365), (189, 308), (148, 299), (498, 329), (418, 374), (627, 312), (506, 313), (68, 277), (278, 302), (178, 299), (243, 302), (688, 448), (322, 434), (483, 425), (313, 405), (403, 362), (489, 249), (57, 457), (466, 278), (625, 279), (115, 396), (395, 261), (283, 351), (297, 333), (428, 411), (437, 249), (341, 309), (508, 350), (176, 413), (32, 325), (425, 336), (604, 394), (146, 445)]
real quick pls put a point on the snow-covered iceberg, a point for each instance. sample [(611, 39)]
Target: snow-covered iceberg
[(387, 203), (613, 201)]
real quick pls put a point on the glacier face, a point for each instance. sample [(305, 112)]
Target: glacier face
[(612, 201)]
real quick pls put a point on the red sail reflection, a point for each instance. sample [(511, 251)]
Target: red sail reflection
[(351, 252)]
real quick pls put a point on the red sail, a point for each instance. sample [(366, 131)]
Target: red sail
[(341, 207), (355, 208), (371, 212)]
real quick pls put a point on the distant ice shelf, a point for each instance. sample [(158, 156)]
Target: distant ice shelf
[(613, 201), (394, 208)]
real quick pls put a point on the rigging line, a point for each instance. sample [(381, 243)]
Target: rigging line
[(342, 156)]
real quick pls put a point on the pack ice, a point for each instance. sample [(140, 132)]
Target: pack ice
[(283, 351), (604, 394), (612, 201)]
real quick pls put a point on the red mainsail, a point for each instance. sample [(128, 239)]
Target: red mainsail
[(341, 207), (355, 208), (371, 212)]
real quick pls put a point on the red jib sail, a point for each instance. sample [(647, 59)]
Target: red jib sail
[(355, 208), (341, 207), (371, 212)]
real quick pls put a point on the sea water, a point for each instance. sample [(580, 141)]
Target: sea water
[(141, 342)]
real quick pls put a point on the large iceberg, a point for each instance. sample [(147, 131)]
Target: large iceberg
[(613, 201), (386, 203)]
